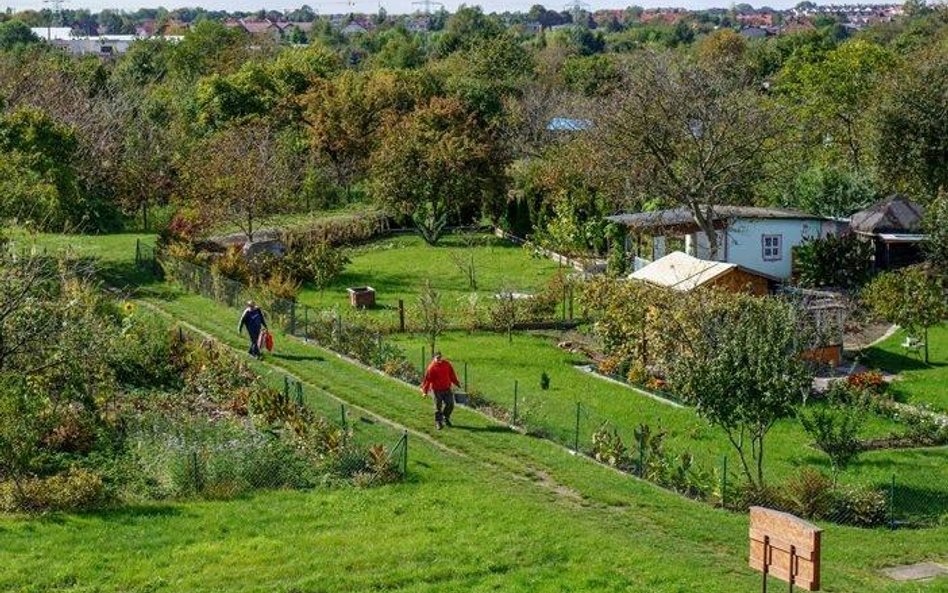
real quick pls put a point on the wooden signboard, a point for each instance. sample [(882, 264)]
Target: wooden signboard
[(786, 547)]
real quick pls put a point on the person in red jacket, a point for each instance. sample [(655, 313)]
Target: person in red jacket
[(439, 377)]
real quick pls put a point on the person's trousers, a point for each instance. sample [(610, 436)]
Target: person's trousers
[(444, 405), (254, 342)]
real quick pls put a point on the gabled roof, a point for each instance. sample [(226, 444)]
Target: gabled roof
[(896, 214), (683, 216), (682, 272)]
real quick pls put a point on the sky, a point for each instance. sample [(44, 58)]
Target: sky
[(392, 6)]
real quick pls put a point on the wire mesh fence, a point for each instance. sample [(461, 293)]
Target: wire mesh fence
[(888, 500)]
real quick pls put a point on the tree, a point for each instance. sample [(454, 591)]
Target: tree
[(935, 224), (738, 362), (241, 174), (436, 165), (432, 317), (503, 313), (685, 134), (831, 191), (14, 34), (911, 125), (833, 95), (911, 298), (836, 432)]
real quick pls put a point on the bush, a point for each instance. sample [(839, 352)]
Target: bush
[(75, 490), (862, 507), (810, 494), (834, 261), (868, 381)]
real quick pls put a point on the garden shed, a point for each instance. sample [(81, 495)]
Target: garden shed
[(680, 271), (894, 225)]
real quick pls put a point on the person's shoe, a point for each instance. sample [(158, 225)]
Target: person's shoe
[(448, 423), (439, 426)]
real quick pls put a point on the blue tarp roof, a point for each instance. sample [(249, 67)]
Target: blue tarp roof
[(566, 124)]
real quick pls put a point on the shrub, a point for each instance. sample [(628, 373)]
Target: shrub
[(834, 261), (836, 433), (810, 494), (607, 447), (862, 507), (74, 490), (870, 381), (544, 381)]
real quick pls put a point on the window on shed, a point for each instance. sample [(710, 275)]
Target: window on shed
[(772, 247)]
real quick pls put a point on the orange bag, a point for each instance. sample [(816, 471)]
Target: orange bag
[(268, 341)]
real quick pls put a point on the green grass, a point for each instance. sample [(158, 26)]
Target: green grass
[(498, 511), (918, 383), (493, 364), (294, 219), (397, 267)]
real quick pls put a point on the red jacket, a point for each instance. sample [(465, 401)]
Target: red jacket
[(439, 376)]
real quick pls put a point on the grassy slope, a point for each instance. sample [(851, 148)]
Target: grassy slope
[(494, 364), (919, 383), (500, 517), (398, 266), (578, 526)]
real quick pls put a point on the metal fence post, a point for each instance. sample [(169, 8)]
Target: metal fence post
[(641, 453), (306, 321), (423, 350), (401, 315), (892, 503), (576, 435), (515, 402), (286, 387), (405, 454), (138, 252), (342, 409), (724, 484), (299, 393), (292, 318), (465, 377)]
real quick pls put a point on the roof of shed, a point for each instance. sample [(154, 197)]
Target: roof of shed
[(896, 214), (683, 216), (681, 271)]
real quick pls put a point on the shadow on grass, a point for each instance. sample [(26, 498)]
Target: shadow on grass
[(895, 362), (298, 357), (489, 428)]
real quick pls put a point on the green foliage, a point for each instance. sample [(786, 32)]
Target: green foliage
[(591, 75), (74, 490), (739, 365), (836, 432), (910, 297), (15, 34), (935, 225), (831, 191), (836, 261), (544, 381)]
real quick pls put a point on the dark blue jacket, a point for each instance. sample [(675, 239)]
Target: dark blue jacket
[(253, 320)]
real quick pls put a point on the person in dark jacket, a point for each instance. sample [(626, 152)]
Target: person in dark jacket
[(254, 321), (439, 377)]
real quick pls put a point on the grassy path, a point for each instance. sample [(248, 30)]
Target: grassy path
[(659, 536)]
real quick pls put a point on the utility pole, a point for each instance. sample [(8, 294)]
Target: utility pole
[(577, 8), (58, 12)]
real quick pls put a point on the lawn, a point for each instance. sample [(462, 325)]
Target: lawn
[(493, 364), (918, 383), (484, 509), (398, 266)]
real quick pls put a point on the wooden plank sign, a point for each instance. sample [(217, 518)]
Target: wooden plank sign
[(786, 547)]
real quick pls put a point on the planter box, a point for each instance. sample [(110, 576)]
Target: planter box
[(362, 297)]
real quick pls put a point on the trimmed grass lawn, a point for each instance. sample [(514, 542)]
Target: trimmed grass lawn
[(484, 509), (918, 383), (397, 267), (499, 511), (494, 364)]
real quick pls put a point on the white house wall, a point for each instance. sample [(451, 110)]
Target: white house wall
[(743, 243)]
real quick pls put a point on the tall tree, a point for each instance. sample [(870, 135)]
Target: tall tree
[(241, 173), (685, 134), (436, 165)]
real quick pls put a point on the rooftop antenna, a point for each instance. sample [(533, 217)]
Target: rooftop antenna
[(57, 11)]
